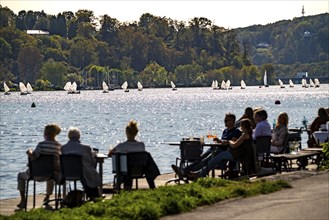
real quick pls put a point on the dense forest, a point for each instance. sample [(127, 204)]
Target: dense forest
[(155, 50)]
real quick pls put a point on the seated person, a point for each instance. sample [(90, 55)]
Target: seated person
[(263, 128), (248, 113), (322, 118), (48, 147), (132, 145), (279, 133), (239, 149), (229, 133), (91, 179)]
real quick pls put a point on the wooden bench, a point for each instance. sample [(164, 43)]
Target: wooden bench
[(301, 156)]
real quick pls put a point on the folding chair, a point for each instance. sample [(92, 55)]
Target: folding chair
[(263, 147), (41, 170), (130, 164), (190, 152), (71, 166)]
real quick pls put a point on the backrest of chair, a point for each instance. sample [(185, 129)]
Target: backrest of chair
[(286, 144), (130, 163), (71, 166), (43, 167), (263, 145), (191, 150)]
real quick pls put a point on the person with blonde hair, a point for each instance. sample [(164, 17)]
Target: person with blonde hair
[(279, 133), (132, 145), (91, 179), (47, 147)]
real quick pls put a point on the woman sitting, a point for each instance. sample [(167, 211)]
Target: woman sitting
[(279, 134), (132, 145), (241, 149), (248, 113)]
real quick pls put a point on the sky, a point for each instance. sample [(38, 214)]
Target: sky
[(223, 13)]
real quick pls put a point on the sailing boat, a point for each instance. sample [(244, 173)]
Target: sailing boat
[(291, 84), (6, 88), (105, 87), (317, 82), (265, 79), (140, 86), (304, 83), (228, 84), (223, 85), (173, 86), (214, 85), (29, 88), (281, 84), (312, 83), (22, 88), (125, 86), (67, 87), (74, 88), (243, 84)]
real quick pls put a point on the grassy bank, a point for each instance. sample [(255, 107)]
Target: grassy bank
[(154, 204)]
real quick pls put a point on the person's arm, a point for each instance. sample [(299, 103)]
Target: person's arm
[(241, 139)]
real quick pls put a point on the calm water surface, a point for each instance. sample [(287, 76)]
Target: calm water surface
[(164, 115)]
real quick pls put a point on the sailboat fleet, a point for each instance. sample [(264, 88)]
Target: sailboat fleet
[(71, 88)]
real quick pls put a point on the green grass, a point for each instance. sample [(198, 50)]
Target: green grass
[(154, 204)]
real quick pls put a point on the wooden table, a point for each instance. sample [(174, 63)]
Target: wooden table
[(302, 156)]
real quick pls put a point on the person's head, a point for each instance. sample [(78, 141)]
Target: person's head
[(73, 133), (246, 126), (51, 131), (260, 115), (283, 119), (249, 112), (229, 120), (131, 129), (322, 113)]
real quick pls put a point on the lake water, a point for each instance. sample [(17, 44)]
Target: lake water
[(164, 115)]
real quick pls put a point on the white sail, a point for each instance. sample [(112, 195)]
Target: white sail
[(281, 83), (173, 86), (228, 84), (223, 85), (243, 84), (317, 82), (74, 87), (139, 86), (22, 88), (265, 79), (312, 83), (291, 84), (6, 88), (216, 85), (125, 86), (67, 87), (304, 83), (29, 88), (105, 87), (213, 84)]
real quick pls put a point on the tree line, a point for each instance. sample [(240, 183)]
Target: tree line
[(153, 50)]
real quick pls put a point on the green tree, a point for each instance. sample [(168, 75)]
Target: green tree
[(29, 62), (54, 72), (82, 53)]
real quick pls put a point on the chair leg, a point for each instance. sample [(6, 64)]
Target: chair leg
[(33, 194), (136, 183), (26, 194)]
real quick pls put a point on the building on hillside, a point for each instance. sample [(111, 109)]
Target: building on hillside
[(37, 32)]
